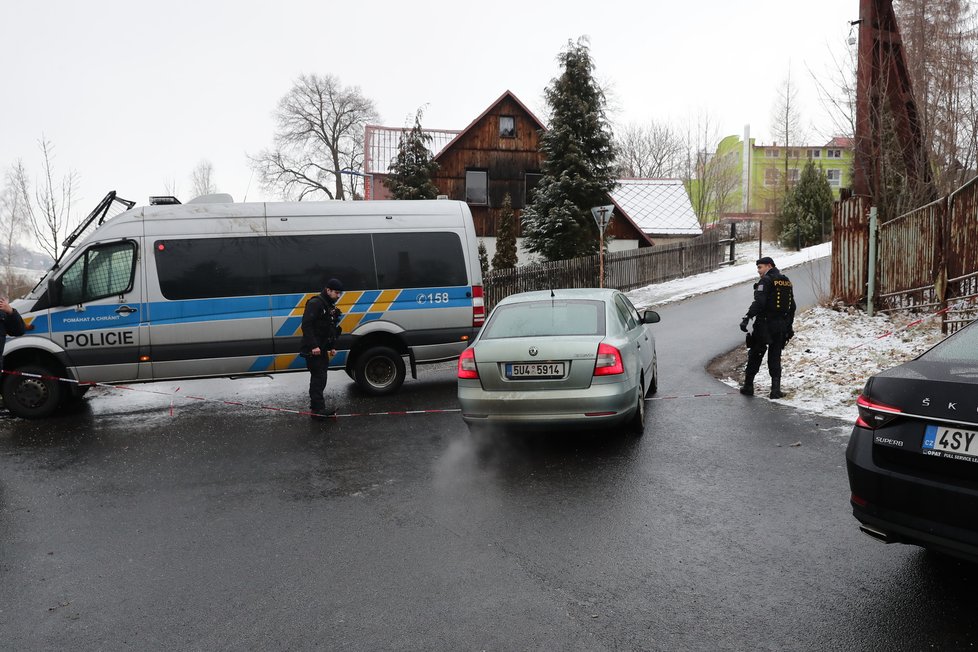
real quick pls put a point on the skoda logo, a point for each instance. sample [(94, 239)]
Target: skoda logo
[(534, 350)]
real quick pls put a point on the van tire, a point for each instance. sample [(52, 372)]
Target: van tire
[(32, 398), (379, 371)]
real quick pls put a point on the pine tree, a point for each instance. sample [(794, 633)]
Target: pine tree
[(413, 166), (579, 163), (505, 256), (806, 217)]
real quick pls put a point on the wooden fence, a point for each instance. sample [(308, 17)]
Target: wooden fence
[(624, 270), (927, 258)]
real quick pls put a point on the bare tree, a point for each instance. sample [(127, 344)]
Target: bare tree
[(941, 46), (710, 180), (649, 150), (201, 181), (319, 134), (48, 205), (13, 226)]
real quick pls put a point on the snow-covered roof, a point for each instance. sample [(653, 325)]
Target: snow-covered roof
[(659, 207), (381, 143)]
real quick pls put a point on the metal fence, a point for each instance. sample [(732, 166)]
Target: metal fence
[(624, 270), (927, 258)]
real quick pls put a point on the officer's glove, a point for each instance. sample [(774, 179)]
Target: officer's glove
[(788, 336), (743, 324)]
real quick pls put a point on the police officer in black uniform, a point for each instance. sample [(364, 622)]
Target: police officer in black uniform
[(11, 323), (320, 330), (773, 312)]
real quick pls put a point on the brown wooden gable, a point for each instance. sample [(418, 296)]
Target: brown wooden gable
[(505, 157)]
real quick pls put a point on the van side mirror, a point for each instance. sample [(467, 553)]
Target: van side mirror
[(54, 291), (650, 317)]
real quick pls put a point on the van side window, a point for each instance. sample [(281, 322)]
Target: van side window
[(101, 272), (303, 263), (202, 268), (416, 260)]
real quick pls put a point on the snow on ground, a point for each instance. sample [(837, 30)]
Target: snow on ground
[(834, 350)]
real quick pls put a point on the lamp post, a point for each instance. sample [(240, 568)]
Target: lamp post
[(366, 175)]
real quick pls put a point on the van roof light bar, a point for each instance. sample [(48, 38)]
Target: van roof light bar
[(163, 200)]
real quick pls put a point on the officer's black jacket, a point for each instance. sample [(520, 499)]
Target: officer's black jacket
[(12, 324), (320, 324), (773, 297)]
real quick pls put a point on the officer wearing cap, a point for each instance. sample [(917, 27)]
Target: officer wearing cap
[(773, 312), (320, 330)]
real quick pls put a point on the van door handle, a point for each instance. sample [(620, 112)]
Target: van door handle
[(125, 310)]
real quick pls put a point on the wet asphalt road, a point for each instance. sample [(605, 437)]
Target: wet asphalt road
[(129, 524)]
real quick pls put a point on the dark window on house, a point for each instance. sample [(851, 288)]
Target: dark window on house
[(211, 267), (477, 187), (303, 263), (507, 126), (419, 260), (530, 182)]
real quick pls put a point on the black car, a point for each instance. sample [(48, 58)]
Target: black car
[(913, 455)]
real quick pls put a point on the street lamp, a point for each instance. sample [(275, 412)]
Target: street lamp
[(366, 175)]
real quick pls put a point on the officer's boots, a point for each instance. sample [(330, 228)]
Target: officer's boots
[(748, 387), (776, 388)]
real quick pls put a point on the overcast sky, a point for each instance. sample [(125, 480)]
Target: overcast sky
[(133, 94)]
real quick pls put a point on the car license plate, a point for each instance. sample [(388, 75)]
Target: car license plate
[(535, 370), (951, 442)]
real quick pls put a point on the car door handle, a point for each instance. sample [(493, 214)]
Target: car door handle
[(125, 310)]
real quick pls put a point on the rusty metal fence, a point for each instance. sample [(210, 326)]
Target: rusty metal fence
[(926, 259), (624, 270)]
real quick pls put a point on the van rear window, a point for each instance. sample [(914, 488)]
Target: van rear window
[(303, 263), (418, 260)]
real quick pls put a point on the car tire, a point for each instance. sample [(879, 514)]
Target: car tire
[(654, 385), (637, 423), (32, 398), (379, 371)]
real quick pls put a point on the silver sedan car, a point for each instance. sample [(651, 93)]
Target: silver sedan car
[(582, 357)]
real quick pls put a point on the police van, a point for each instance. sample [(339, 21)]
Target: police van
[(212, 288)]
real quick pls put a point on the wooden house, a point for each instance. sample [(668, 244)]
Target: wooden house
[(497, 153)]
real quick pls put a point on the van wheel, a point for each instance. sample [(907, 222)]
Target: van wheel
[(379, 371), (32, 398)]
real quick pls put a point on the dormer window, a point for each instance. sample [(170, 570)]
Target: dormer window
[(507, 126)]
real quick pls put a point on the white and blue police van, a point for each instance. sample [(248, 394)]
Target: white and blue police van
[(213, 288)]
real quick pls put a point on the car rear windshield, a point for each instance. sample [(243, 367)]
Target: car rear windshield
[(546, 318), (962, 346)]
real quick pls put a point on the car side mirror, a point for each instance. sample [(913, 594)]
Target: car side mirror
[(650, 317)]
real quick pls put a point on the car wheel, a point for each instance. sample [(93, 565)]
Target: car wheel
[(637, 423), (379, 371), (32, 398)]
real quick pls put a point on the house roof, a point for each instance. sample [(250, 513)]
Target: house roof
[(381, 144), (506, 94), (659, 207), (840, 141)]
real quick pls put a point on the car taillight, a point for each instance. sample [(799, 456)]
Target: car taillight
[(478, 306), (608, 362), (874, 415), (466, 365)]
